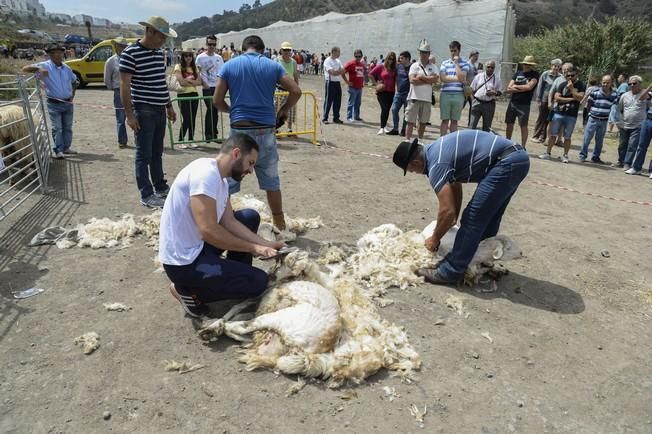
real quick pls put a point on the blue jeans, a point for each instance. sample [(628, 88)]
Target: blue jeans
[(643, 143), (627, 144), (61, 120), (353, 107), (481, 217), (211, 277), (400, 100), (558, 120), (149, 148), (597, 128), (266, 167), (120, 117)]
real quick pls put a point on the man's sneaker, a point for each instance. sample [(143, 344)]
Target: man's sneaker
[(70, 152), (122, 146), (564, 158), (359, 120), (338, 121), (153, 201), (387, 130), (581, 159), (392, 133), (431, 275), (192, 307), (350, 121), (617, 164), (163, 193), (632, 171), (59, 155), (651, 175), (626, 167), (597, 160), (545, 156), (325, 121)]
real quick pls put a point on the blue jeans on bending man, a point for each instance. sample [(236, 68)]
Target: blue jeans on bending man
[(482, 216)]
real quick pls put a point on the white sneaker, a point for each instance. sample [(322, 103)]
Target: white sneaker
[(387, 130), (59, 156), (545, 156), (380, 131), (632, 171), (564, 158), (650, 175), (350, 121)]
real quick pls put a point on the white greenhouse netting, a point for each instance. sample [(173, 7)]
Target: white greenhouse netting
[(484, 25)]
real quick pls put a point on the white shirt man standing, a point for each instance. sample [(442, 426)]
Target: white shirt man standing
[(112, 81), (209, 64), (333, 72), (422, 75), (486, 86)]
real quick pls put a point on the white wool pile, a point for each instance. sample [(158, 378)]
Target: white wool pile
[(88, 341), (331, 255), (386, 256), (320, 326), (104, 232), (116, 307), (293, 225)]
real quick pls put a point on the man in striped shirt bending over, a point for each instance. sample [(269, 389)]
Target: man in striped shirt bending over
[(599, 105), (495, 163), (146, 102)]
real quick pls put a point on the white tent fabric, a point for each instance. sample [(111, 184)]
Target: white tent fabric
[(484, 25)]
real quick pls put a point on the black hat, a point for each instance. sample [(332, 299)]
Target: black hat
[(404, 153), (54, 47)]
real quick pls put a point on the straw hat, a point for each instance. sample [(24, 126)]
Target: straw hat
[(286, 46), (528, 60), (159, 24)]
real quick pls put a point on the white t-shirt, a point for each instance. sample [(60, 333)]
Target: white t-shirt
[(421, 92), (179, 239), (330, 64), (209, 66)]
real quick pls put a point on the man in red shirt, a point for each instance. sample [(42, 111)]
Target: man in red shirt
[(299, 59), (355, 70)]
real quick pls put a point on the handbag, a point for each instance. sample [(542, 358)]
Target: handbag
[(380, 87), (173, 83), (433, 98)]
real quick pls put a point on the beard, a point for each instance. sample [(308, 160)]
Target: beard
[(237, 172)]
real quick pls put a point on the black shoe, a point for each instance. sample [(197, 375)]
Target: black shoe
[(325, 121), (163, 193), (190, 306), (597, 161), (338, 121), (431, 275), (393, 133)]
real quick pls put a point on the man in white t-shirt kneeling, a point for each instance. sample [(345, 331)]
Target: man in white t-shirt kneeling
[(198, 225)]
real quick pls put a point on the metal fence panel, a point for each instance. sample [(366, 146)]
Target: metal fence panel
[(24, 141)]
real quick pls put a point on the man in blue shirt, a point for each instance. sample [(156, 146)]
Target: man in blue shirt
[(495, 163), (60, 85), (251, 81)]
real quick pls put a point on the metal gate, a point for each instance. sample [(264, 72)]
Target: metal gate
[(24, 141)]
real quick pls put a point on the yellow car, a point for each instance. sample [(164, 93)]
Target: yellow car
[(90, 68)]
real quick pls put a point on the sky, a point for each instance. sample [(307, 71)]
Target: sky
[(132, 11)]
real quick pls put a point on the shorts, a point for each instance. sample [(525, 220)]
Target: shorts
[(266, 167), (520, 111), (450, 105), (418, 110), (567, 121)]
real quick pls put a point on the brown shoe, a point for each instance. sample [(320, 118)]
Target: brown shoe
[(279, 221), (431, 275)]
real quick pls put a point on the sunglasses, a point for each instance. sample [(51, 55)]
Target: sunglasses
[(358, 57), (211, 45), (570, 75), (490, 67), (633, 84), (286, 49)]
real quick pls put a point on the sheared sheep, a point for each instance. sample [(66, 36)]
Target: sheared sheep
[(321, 326), (484, 262), (15, 147)]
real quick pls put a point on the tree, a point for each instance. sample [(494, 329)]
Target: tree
[(244, 8), (256, 4), (614, 46)]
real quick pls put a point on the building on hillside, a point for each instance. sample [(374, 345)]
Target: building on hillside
[(101, 22), (81, 19), (64, 18), (23, 7)]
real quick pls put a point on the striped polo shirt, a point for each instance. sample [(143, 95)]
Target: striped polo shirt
[(462, 156), (601, 104), (147, 68), (448, 67)]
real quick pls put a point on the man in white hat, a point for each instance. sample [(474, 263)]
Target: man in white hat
[(112, 82), (522, 86), (146, 101), (422, 76)]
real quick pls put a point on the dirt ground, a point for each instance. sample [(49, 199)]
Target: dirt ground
[(570, 327)]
